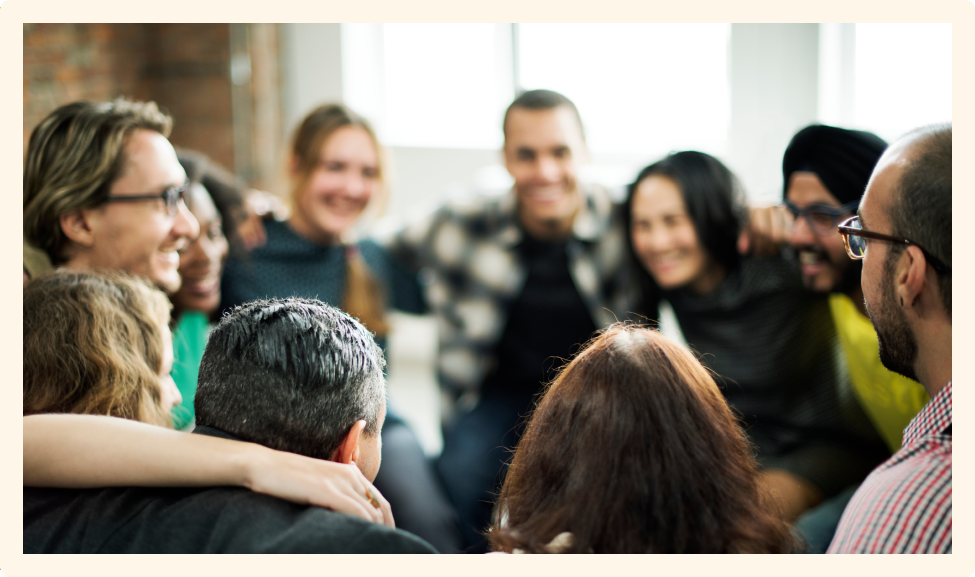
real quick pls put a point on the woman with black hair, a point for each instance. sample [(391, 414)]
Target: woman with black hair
[(770, 343)]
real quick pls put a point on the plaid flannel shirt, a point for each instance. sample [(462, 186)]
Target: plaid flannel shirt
[(466, 254), (904, 506)]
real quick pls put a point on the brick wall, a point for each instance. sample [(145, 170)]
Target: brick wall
[(68, 62), (185, 68)]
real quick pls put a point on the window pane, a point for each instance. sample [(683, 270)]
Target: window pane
[(640, 88), (442, 85), (903, 76)]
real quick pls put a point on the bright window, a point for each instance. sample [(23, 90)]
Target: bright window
[(442, 84), (640, 88), (903, 76)]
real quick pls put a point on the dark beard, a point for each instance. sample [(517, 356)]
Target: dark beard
[(895, 339)]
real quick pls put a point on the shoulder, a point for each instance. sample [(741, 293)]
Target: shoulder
[(214, 520), (303, 529), (904, 506)]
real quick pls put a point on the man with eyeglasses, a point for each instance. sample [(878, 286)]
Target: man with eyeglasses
[(103, 189), (825, 171), (902, 235)]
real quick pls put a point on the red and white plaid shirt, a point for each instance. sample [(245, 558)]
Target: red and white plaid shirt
[(904, 505)]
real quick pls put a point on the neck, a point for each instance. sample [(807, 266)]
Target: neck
[(933, 365), (707, 282), (547, 230)]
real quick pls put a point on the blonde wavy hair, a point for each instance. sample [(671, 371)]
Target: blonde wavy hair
[(73, 157), (362, 296), (93, 344)]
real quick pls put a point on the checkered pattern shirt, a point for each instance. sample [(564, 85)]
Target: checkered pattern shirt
[(466, 254), (904, 506)]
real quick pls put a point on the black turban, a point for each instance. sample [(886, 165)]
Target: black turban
[(842, 159)]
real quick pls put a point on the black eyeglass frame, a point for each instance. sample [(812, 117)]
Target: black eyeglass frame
[(846, 231), (171, 198), (833, 211)]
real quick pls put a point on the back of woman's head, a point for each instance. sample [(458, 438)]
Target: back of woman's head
[(632, 450), (93, 344), (712, 196)]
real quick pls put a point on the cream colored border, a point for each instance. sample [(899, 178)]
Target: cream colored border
[(14, 13)]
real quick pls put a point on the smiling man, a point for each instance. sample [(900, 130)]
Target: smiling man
[(517, 281), (103, 189), (826, 170)]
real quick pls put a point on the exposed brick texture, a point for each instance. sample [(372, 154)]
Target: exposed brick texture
[(185, 68)]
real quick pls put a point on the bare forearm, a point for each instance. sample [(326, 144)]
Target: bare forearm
[(81, 451), (87, 451)]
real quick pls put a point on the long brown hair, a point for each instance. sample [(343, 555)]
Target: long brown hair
[(633, 449), (93, 344), (362, 296)]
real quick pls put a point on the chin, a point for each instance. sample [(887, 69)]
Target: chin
[(168, 283)]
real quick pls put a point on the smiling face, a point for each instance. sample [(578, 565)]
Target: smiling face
[(665, 240), (542, 151), (140, 237), (823, 257), (338, 190), (201, 263)]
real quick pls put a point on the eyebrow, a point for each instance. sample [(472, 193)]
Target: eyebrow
[(863, 224)]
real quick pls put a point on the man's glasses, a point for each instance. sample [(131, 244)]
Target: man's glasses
[(171, 197), (855, 241), (822, 219)]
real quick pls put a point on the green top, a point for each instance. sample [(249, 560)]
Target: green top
[(189, 340)]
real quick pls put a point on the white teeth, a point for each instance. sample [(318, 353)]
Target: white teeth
[(810, 258)]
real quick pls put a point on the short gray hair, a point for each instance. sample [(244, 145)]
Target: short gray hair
[(291, 374)]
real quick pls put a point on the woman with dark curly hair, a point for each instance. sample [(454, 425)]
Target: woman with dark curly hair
[(633, 449)]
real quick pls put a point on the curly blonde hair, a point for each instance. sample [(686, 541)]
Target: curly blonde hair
[(94, 344)]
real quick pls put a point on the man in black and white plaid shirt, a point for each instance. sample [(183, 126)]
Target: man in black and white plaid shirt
[(517, 282)]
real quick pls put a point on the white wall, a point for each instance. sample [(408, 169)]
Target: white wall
[(774, 91)]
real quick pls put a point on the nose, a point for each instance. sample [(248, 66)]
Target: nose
[(549, 170), (185, 224), (177, 396), (355, 185)]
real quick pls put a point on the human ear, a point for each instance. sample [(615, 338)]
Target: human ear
[(910, 276), (77, 226), (348, 449)]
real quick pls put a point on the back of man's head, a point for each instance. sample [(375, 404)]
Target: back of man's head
[(291, 374), (541, 100), (921, 210), (73, 157)]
